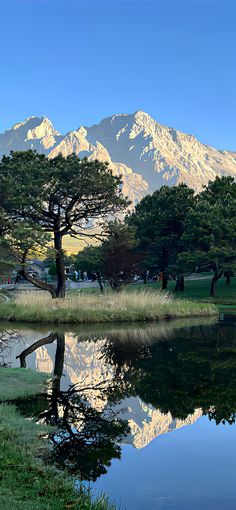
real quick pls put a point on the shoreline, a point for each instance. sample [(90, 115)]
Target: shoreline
[(112, 321), (27, 480)]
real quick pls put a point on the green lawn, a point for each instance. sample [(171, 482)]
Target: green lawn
[(20, 383), (199, 289)]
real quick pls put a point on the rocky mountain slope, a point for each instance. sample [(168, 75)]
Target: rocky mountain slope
[(145, 153)]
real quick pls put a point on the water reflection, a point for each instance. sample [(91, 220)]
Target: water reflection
[(86, 439), (130, 385)]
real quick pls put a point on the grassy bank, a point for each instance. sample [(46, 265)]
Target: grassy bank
[(20, 383), (110, 307), (27, 483)]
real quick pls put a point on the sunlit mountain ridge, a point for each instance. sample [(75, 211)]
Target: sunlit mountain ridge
[(144, 152)]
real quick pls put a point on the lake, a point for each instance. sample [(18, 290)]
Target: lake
[(145, 413)]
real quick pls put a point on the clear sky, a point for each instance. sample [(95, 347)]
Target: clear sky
[(77, 61)]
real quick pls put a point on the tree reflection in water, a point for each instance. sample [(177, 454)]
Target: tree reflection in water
[(196, 368), (176, 372), (86, 440)]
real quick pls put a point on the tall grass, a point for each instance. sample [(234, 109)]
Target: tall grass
[(110, 307)]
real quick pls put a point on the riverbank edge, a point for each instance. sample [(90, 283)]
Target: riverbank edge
[(27, 482)]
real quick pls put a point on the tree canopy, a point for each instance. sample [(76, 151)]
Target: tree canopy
[(160, 221), (60, 196)]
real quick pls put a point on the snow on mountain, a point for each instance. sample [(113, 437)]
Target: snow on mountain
[(145, 153)]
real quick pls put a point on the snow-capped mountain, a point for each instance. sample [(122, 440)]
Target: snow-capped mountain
[(145, 153)]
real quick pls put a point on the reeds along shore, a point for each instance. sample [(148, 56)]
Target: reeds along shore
[(110, 307)]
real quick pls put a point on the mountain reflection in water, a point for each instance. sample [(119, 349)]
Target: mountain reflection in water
[(126, 385)]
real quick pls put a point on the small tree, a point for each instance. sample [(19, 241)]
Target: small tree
[(120, 260), (89, 260)]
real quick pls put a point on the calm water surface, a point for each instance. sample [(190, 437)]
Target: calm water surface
[(144, 413)]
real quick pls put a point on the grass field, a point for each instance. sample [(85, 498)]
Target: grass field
[(199, 290), (126, 306), (27, 483)]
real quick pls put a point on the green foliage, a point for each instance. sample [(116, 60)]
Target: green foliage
[(89, 260), (119, 259), (57, 196), (67, 192), (180, 232), (116, 259), (192, 369), (160, 222), (52, 269), (210, 234)]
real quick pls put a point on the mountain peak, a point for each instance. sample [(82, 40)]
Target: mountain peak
[(29, 122), (35, 127), (141, 114)]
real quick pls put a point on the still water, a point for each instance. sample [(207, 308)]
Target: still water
[(144, 413)]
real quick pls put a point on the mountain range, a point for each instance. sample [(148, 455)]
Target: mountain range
[(145, 153)]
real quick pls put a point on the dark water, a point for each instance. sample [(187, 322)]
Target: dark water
[(146, 414)]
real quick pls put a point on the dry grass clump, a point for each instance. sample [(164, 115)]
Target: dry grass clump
[(122, 301), (110, 307)]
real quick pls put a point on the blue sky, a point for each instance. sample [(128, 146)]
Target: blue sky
[(77, 61)]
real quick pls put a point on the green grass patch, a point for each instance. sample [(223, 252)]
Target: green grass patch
[(27, 483), (20, 383)]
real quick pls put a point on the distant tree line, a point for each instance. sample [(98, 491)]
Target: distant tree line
[(172, 232)]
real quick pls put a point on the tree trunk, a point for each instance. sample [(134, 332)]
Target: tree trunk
[(213, 286), (227, 274), (177, 284), (214, 281), (60, 266), (38, 283), (164, 282), (182, 284), (43, 341), (100, 283), (59, 357), (56, 383)]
